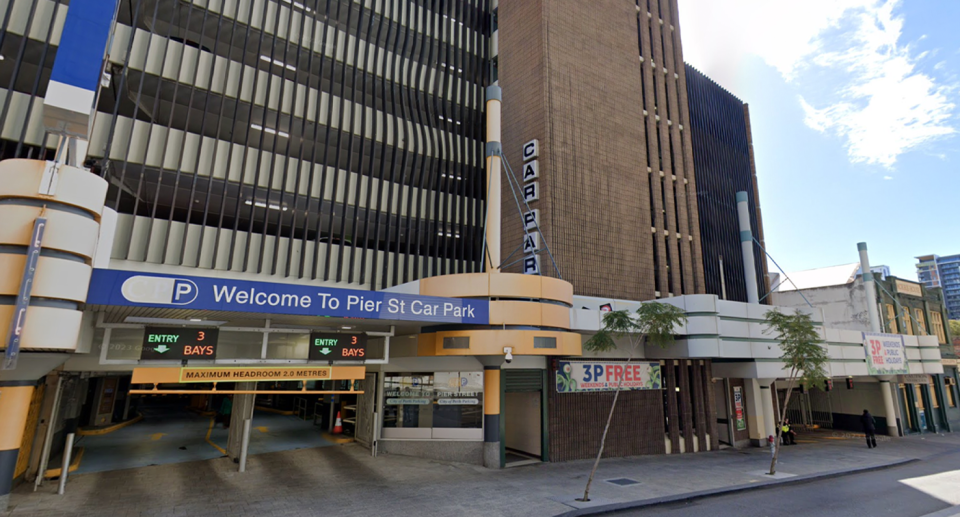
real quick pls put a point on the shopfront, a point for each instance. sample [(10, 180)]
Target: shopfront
[(923, 405), (433, 405)]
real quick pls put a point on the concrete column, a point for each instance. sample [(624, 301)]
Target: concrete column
[(753, 404), (889, 407), (493, 150), (242, 410), (15, 399), (769, 414), (491, 417), (746, 246)]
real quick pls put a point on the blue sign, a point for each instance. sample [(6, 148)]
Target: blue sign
[(83, 43), (136, 289)]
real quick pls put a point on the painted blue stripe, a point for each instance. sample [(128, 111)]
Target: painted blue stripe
[(83, 43)]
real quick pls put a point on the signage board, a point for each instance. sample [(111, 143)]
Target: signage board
[(531, 265), (458, 402), (333, 347), (531, 170), (885, 354), (136, 289), (531, 192), (580, 376), (22, 302), (531, 149), (531, 219), (909, 288), (914, 378), (738, 408), (215, 374), (179, 343), (408, 402), (531, 242)]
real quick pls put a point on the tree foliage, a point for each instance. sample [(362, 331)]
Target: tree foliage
[(802, 347), (803, 355), (653, 322), (954, 329)]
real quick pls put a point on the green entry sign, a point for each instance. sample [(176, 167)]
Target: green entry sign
[(337, 347), (179, 343)]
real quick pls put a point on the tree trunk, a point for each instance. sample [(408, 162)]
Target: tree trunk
[(603, 439), (783, 416)]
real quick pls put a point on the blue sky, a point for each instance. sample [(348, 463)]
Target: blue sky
[(855, 112)]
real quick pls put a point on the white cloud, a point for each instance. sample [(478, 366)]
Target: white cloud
[(857, 79), (888, 177)]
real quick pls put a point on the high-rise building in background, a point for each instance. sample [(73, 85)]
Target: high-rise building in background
[(724, 165), (601, 87), (333, 141), (943, 272)]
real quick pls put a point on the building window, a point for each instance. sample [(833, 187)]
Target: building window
[(907, 327), (433, 405), (933, 396), (921, 322), (949, 388), (891, 319), (408, 401), (936, 320)]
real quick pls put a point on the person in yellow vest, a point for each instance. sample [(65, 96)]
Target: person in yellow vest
[(788, 435)]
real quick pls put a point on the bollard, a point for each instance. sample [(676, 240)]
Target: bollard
[(244, 443), (65, 468)]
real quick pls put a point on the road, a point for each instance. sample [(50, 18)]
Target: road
[(885, 492)]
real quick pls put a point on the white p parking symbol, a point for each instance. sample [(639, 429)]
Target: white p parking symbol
[(184, 292)]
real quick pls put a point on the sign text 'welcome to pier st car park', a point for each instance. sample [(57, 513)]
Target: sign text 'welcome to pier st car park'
[(131, 288)]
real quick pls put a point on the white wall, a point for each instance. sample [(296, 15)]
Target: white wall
[(843, 306)]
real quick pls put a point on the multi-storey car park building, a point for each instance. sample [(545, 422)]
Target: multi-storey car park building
[(304, 198), (723, 161)]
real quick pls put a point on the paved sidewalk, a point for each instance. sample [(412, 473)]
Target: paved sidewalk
[(347, 481)]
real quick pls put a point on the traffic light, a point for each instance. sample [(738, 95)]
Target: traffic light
[(849, 383)]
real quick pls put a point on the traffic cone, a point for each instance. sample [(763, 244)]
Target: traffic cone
[(338, 426)]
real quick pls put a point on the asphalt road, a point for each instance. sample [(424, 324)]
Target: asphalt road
[(884, 492)]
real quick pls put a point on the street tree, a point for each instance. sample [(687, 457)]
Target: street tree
[(955, 329), (804, 356), (653, 323)]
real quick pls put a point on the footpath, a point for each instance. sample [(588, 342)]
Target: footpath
[(346, 481)]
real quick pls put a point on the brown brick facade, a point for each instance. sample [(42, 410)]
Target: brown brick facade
[(644, 419), (617, 200)]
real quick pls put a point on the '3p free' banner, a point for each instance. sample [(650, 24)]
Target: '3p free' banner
[(581, 376)]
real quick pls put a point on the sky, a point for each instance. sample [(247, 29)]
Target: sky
[(855, 114)]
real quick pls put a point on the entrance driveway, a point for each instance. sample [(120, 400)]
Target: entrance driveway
[(347, 481)]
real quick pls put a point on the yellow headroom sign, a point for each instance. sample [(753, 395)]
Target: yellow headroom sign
[(321, 373), (173, 375)]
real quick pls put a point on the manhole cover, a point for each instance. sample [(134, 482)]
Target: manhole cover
[(623, 481)]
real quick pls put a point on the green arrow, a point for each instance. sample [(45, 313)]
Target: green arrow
[(324, 351), (162, 348)]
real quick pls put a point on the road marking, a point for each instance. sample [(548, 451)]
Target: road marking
[(942, 486), (207, 439), (262, 428), (157, 436)]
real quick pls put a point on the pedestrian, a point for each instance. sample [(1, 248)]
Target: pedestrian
[(788, 435), (226, 407), (869, 428)]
